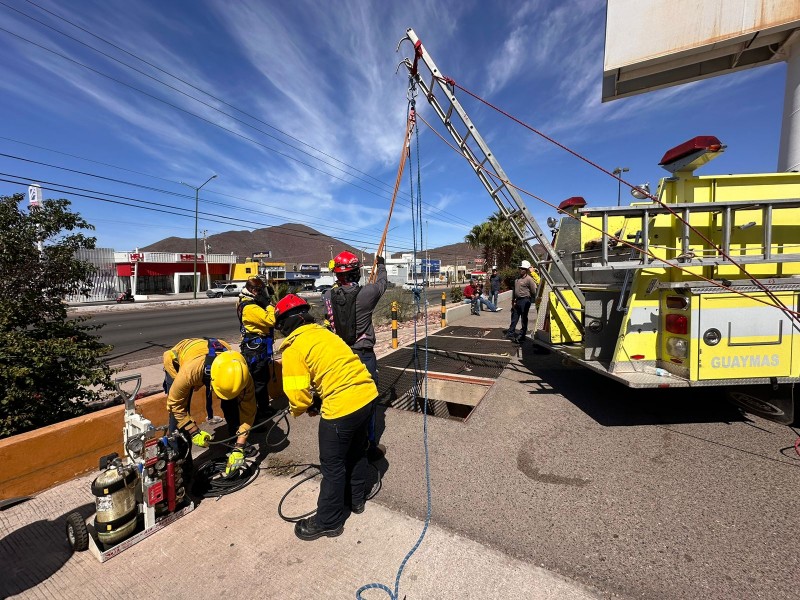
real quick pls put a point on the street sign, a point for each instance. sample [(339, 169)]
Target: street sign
[(34, 196), (265, 254)]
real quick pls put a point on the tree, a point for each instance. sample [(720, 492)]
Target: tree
[(496, 239), (50, 365)]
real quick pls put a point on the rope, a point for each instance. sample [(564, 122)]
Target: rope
[(404, 152), (794, 315), (489, 172), (394, 594)]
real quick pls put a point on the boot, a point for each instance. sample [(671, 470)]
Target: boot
[(308, 530)]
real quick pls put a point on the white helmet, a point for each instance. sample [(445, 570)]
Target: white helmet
[(525, 265)]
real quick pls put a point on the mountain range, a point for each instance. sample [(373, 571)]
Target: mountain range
[(294, 244)]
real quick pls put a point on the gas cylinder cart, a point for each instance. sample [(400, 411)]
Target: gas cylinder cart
[(139, 494)]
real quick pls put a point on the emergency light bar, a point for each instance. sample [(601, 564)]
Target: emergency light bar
[(692, 154)]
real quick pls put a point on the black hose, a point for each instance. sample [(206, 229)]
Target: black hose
[(274, 419), (210, 480), (306, 466)]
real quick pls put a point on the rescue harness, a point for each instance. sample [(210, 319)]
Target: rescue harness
[(259, 346)]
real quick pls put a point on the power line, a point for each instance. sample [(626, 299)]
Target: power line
[(159, 190), (187, 212), (212, 217), (207, 93), (201, 102)]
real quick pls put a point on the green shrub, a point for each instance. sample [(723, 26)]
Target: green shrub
[(456, 294)]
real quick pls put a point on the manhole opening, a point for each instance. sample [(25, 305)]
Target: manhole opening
[(448, 397)]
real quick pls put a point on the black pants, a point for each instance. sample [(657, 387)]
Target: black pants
[(343, 463), (260, 366), (367, 356), (520, 308), (230, 409)]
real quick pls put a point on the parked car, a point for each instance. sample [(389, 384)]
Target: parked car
[(323, 288), (413, 285), (228, 289)]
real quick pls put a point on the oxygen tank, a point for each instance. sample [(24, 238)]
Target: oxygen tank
[(115, 498)]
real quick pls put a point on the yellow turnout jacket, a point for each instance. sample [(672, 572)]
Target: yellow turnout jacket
[(317, 360), (185, 363)]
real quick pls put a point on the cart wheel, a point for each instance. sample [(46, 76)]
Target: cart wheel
[(77, 534)]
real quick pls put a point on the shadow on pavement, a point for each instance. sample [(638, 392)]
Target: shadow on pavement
[(613, 404), (34, 552)]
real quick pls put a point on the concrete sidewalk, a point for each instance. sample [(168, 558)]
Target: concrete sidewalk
[(238, 547)]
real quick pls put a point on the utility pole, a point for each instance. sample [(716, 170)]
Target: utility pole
[(331, 247), (427, 256), (196, 212), (205, 259), (618, 172)]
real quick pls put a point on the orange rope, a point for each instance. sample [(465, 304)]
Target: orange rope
[(403, 156)]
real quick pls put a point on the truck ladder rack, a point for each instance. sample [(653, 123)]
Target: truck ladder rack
[(474, 148), (686, 258)]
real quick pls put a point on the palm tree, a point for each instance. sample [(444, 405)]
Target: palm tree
[(496, 238)]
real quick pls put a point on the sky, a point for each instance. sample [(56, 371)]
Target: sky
[(300, 111)]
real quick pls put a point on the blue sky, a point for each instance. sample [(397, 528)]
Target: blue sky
[(324, 74)]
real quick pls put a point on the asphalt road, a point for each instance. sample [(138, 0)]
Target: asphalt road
[(141, 333)]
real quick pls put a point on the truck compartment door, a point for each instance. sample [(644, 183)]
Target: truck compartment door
[(739, 337)]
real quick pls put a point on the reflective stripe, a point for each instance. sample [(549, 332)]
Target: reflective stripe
[(296, 382)]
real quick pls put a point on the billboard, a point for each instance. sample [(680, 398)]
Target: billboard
[(264, 254), (432, 266), (652, 44)]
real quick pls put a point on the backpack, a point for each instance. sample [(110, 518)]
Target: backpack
[(343, 309)]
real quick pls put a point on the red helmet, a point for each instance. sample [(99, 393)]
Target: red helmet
[(287, 304), (346, 262)]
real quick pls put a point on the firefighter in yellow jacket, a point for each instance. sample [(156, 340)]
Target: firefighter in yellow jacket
[(257, 323), (322, 375), (194, 363)]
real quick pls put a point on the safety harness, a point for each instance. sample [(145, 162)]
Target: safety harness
[(214, 348), (254, 342), (343, 311)]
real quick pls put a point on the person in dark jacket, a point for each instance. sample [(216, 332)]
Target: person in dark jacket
[(349, 307), (494, 287)]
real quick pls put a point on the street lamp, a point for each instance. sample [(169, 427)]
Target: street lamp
[(618, 172), (196, 205)]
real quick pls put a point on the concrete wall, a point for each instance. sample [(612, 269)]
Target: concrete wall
[(34, 461), (461, 311)]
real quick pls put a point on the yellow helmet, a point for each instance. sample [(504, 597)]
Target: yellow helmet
[(229, 374)]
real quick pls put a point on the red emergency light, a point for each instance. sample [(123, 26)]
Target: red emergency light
[(701, 143), (574, 202)]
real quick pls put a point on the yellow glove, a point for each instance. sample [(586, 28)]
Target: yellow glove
[(235, 461), (201, 438)]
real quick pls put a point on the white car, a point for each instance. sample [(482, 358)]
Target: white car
[(413, 285), (229, 289)]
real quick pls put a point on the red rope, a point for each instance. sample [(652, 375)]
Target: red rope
[(610, 236), (775, 299)]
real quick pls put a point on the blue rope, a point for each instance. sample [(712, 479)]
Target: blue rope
[(394, 595)]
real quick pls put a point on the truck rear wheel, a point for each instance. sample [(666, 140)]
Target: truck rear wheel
[(774, 403), (77, 533)]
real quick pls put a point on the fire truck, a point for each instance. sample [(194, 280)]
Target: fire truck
[(697, 285)]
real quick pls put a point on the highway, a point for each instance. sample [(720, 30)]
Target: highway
[(140, 334)]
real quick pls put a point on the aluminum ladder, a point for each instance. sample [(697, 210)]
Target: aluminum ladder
[(475, 149)]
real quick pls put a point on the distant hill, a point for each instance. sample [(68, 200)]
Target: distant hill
[(294, 243)]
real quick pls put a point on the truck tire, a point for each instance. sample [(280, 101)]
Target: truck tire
[(77, 533), (772, 403)]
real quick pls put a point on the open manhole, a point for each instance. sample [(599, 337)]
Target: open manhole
[(458, 376)]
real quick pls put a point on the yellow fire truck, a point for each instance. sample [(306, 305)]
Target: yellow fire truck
[(699, 289), (697, 286)]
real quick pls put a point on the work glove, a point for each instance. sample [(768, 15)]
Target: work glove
[(381, 260), (201, 439), (235, 461)]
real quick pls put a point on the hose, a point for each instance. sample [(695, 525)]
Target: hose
[(274, 419), (209, 478), (306, 466)]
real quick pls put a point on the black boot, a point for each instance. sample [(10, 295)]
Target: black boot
[(308, 530)]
